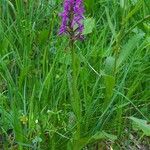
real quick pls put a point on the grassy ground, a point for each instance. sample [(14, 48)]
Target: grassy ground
[(112, 73)]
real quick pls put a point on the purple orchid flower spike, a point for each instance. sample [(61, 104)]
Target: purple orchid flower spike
[(72, 19)]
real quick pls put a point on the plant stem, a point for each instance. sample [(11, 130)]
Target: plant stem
[(75, 94)]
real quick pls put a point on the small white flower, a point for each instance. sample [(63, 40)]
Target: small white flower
[(36, 121), (49, 111)]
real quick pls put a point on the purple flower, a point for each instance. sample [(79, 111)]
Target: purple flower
[(72, 19)]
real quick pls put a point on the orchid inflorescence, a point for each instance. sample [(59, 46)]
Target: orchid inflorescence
[(72, 19)]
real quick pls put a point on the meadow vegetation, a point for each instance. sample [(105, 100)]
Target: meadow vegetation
[(112, 77)]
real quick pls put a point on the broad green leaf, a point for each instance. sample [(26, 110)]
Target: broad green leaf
[(128, 48), (109, 65), (141, 125), (89, 24), (103, 135), (109, 84)]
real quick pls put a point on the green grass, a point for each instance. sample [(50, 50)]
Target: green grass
[(112, 75)]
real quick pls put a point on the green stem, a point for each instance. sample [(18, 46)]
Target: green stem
[(75, 94)]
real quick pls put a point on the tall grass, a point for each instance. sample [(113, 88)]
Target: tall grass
[(112, 70)]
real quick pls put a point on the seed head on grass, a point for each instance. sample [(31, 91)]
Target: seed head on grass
[(72, 19)]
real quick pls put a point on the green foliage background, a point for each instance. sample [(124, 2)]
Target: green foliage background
[(35, 76)]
